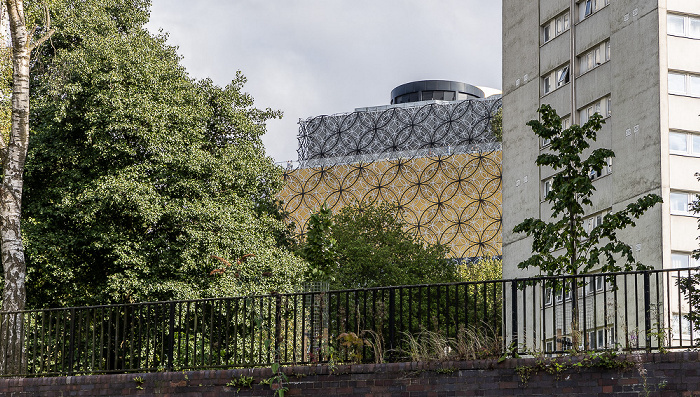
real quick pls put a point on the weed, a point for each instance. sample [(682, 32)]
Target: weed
[(446, 371), (241, 381), (139, 382)]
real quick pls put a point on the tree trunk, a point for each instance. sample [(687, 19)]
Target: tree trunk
[(14, 155)]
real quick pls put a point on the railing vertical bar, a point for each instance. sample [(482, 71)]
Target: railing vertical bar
[(64, 336), (524, 322), (211, 333), (294, 326), (564, 286), (586, 341), (132, 335), (227, 333), (171, 337), (195, 322), (466, 305), (627, 319), (605, 314), (647, 310), (660, 342), (35, 342), (636, 308), (22, 370), (595, 311), (235, 331), (514, 314), (534, 321), (690, 312), (680, 310), (616, 334)]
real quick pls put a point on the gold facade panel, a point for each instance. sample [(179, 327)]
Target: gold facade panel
[(453, 200)]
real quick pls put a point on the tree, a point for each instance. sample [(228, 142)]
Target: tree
[(320, 247), (13, 153), (373, 248), (564, 246), (689, 284), (484, 269), (139, 177)]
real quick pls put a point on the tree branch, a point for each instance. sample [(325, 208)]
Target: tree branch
[(47, 22), (42, 39)]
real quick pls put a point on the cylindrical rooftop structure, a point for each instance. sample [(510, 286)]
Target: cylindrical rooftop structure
[(426, 90)]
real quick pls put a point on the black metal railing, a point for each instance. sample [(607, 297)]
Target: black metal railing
[(628, 311)]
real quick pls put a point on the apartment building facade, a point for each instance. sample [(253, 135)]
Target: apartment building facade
[(637, 63)]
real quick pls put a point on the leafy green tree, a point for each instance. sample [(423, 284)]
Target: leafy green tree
[(484, 269), (373, 248), (689, 283), (564, 246), (319, 248), (138, 174)]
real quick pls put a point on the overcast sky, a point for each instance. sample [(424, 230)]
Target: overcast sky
[(314, 57)]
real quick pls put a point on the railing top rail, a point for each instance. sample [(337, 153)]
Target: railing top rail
[(356, 290)]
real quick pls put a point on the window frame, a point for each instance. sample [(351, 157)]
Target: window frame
[(586, 8), (688, 79), (602, 106), (556, 79), (551, 28), (594, 57), (689, 139), (689, 198), (687, 22)]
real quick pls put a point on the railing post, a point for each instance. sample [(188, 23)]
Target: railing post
[(278, 326), (647, 310), (71, 344), (392, 321), (171, 336), (514, 314)]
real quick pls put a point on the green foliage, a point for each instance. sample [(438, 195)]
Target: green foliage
[(320, 246), (497, 125), (137, 174), (484, 269), (690, 284), (564, 246), (241, 381), (367, 245), (607, 360)]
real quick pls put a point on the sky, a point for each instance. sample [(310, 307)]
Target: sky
[(314, 57)]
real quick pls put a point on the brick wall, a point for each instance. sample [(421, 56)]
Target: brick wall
[(671, 374)]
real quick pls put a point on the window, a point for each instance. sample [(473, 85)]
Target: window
[(563, 295), (565, 122), (682, 143), (546, 84), (555, 79), (594, 57), (683, 84), (683, 26), (588, 7), (595, 285), (683, 260), (547, 187), (680, 326), (680, 203), (548, 298), (554, 27), (594, 221), (606, 170), (601, 106)]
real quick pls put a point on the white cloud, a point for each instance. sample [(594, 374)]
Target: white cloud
[(312, 57)]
